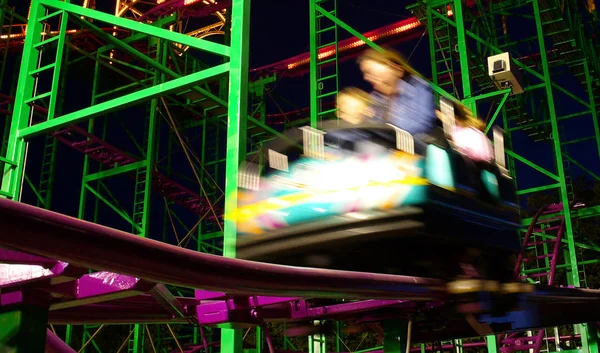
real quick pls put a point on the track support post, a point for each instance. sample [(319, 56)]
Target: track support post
[(396, 337), (13, 169), (231, 339), (317, 342), (492, 343), (591, 337), (23, 328)]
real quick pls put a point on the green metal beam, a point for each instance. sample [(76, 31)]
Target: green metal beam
[(556, 142), (125, 101), (463, 51), (116, 209), (139, 27), (492, 94), (23, 328), (57, 74), (533, 165), (168, 20), (348, 28), (498, 109), (578, 213), (237, 113), (496, 113), (125, 47), (231, 339), (314, 57), (13, 176), (581, 166), (588, 80), (539, 188)]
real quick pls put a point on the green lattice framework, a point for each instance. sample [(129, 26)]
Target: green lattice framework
[(460, 43), (458, 48), (160, 81)]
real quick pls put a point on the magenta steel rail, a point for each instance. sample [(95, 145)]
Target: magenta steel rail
[(45, 233)]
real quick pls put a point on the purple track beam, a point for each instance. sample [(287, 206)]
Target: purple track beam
[(55, 345), (45, 233)]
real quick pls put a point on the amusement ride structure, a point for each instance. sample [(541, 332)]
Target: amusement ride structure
[(144, 154)]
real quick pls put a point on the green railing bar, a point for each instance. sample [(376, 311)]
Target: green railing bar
[(539, 188), (532, 165)]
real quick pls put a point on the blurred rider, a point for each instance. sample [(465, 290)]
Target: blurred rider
[(468, 135), (401, 97), (355, 107)]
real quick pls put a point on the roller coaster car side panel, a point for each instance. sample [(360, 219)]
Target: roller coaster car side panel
[(466, 207), (444, 218), (420, 241)]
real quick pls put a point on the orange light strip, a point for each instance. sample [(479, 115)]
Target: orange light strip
[(189, 2), (330, 50), (22, 35)]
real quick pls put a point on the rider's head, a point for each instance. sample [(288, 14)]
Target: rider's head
[(465, 117), (383, 69), (354, 105)]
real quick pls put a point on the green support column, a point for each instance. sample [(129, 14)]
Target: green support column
[(564, 197), (151, 143), (592, 337), (23, 329), (317, 343), (328, 80), (312, 10), (556, 142), (492, 344), (396, 336), (463, 53), (339, 335), (588, 80), (259, 339), (136, 342), (237, 114), (13, 174), (231, 339), (432, 45)]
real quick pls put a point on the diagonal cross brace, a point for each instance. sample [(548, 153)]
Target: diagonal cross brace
[(135, 26)]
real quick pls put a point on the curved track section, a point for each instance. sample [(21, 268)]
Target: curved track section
[(141, 300), (81, 243)]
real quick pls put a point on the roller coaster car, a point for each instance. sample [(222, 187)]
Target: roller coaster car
[(387, 211)]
